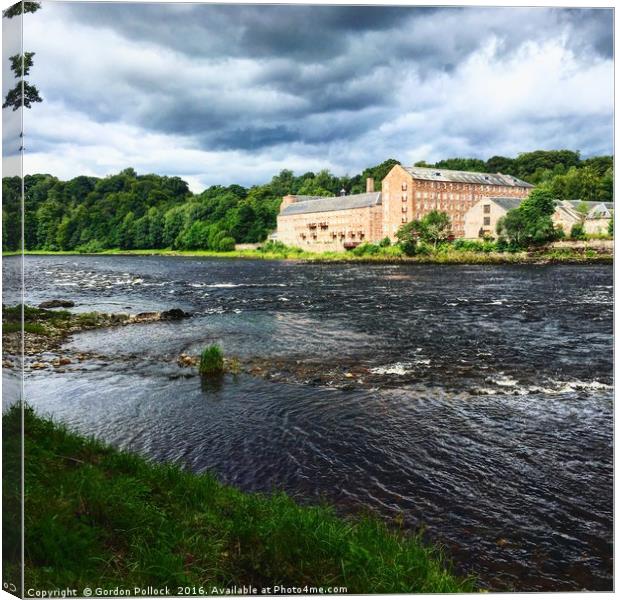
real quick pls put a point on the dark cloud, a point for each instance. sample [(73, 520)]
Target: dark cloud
[(348, 84)]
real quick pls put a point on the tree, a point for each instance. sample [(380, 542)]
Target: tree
[(610, 227), (577, 232), (24, 94), (530, 223), (407, 237), (434, 227)]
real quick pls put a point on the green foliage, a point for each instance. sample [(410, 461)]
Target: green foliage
[(433, 228), (385, 242), (21, 8), (18, 97), (99, 517), (211, 361), (475, 245), (568, 176), (463, 164), (610, 227), (23, 94), (531, 222), (131, 211), (577, 232), (21, 61), (226, 244), (91, 247), (407, 237), (367, 249)]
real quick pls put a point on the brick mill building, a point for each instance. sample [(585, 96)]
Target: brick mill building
[(408, 193)]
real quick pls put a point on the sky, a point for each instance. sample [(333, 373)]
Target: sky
[(221, 94)]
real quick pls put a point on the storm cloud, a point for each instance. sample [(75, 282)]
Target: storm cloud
[(235, 93)]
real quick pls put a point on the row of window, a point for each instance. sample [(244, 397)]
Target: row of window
[(445, 185)]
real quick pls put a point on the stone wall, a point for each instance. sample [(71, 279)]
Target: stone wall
[(483, 215), (331, 230)]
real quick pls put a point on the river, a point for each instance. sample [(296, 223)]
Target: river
[(489, 421)]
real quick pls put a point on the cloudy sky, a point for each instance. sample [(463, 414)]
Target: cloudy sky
[(235, 93)]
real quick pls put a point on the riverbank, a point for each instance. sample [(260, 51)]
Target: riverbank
[(390, 255), (98, 517)]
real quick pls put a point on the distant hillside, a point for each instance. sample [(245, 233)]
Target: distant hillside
[(129, 211)]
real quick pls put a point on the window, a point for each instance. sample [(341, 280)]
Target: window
[(404, 209), (404, 187), (487, 209), (487, 220), (404, 220), (404, 197)]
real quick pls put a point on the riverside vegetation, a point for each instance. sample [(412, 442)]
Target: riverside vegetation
[(99, 517), (128, 211)]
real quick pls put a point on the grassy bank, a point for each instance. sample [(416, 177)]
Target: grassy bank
[(97, 517), (390, 255)]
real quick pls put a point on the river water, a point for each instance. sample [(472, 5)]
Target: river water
[(489, 422)]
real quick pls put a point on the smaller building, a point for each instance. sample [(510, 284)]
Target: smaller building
[(481, 219), (594, 216), (598, 219)]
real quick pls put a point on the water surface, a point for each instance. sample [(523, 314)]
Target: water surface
[(491, 424)]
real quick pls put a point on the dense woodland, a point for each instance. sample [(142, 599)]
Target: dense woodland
[(131, 211)]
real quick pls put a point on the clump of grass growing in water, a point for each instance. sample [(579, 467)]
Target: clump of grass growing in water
[(211, 361)]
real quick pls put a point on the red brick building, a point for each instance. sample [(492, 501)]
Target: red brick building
[(408, 193)]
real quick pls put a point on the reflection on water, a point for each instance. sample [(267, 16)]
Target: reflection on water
[(491, 425)]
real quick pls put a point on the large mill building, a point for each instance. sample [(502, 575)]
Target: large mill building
[(408, 193)]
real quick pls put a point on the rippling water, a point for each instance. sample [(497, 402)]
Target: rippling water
[(491, 425)]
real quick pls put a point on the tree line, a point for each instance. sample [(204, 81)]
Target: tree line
[(130, 211), (562, 172)]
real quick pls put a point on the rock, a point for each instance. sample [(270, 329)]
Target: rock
[(64, 361), (187, 361), (38, 365), (145, 316), (57, 304), (174, 314)]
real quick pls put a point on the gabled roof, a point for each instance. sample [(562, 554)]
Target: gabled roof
[(505, 203), (313, 204), (602, 210), (437, 174), (595, 210)]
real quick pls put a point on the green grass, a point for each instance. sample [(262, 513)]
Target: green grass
[(392, 254), (28, 327), (99, 517), (211, 361)]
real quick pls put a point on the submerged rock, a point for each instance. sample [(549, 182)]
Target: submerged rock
[(174, 314), (57, 304)]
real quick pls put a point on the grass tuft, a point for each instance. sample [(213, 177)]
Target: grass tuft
[(211, 361)]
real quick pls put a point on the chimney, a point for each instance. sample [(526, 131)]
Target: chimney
[(286, 200), (370, 185)]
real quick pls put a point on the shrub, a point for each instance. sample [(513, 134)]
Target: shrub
[(385, 242), (211, 361), (423, 249), (273, 246), (577, 232), (226, 244), (92, 247), (366, 249), (468, 245)]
